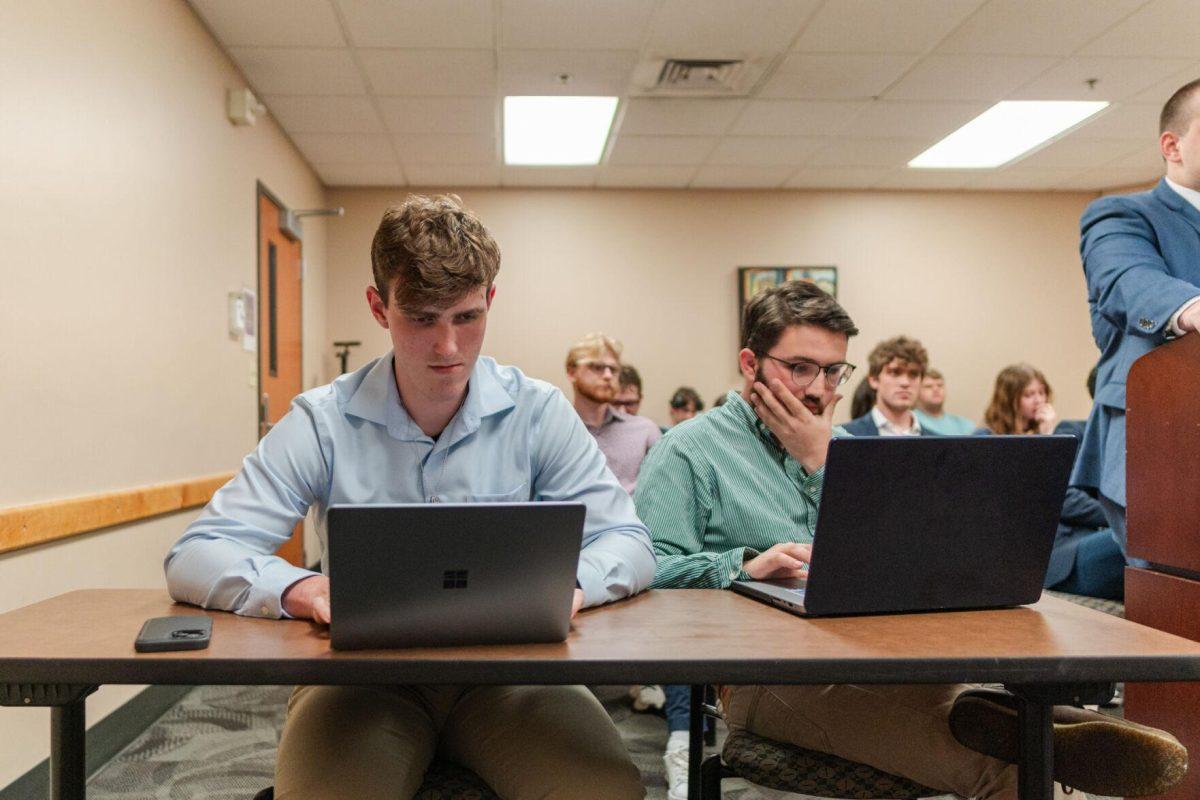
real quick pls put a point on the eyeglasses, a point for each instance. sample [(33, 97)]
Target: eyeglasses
[(600, 367), (805, 372)]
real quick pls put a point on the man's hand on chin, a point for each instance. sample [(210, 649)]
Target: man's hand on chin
[(803, 434), (309, 599)]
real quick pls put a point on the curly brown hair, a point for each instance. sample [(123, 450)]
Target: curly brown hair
[(901, 347), (435, 250), (1001, 414)]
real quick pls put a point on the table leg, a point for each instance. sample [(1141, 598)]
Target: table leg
[(1035, 766), (695, 741), (68, 773)]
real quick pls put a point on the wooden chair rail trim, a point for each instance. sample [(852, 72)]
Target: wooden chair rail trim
[(26, 526)]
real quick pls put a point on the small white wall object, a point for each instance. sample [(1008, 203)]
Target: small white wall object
[(243, 107)]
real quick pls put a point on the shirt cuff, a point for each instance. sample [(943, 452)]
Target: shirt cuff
[(266, 595), (729, 565), (1173, 326)]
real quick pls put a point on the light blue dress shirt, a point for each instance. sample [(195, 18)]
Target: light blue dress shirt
[(351, 441)]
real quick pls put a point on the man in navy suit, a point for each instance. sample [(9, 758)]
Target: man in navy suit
[(895, 368), (1141, 256)]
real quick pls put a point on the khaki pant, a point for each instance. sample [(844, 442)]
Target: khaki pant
[(903, 730), (548, 742)]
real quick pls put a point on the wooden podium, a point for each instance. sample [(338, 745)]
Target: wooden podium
[(1162, 428)]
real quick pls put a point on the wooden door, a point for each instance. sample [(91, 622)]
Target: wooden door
[(279, 366)]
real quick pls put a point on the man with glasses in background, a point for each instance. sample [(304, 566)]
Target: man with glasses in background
[(734, 496), (593, 364), (629, 390)]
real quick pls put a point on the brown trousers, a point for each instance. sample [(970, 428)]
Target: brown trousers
[(368, 742), (903, 730)]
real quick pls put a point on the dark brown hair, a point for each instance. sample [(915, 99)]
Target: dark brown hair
[(772, 311), (901, 347), (1001, 414), (435, 250), (628, 376), (1176, 114)]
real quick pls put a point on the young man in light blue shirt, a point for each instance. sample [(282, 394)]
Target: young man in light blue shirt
[(931, 408), (430, 422)]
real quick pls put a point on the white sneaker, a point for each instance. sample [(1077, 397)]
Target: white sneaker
[(647, 697), (676, 762)]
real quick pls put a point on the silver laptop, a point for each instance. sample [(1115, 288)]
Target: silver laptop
[(452, 574), (930, 523)]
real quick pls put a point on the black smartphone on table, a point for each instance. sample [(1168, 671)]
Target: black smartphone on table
[(174, 633)]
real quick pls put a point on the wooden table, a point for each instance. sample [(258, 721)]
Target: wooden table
[(56, 652)]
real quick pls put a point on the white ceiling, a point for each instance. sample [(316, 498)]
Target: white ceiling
[(408, 92)]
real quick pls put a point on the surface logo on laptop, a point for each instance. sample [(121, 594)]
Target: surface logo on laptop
[(454, 579)]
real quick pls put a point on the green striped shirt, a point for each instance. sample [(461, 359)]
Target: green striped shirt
[(717, 490)]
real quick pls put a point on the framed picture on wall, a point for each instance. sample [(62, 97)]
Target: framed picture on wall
[(752, 280)]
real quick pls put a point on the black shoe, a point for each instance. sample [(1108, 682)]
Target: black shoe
[(1093, 752)]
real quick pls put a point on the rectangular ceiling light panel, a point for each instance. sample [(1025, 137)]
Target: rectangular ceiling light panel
[(1004, 132), (543, 131)]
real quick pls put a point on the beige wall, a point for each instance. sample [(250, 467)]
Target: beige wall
[(983, 280), (127, 212)]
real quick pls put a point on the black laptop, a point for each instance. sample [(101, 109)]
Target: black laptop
[(930, 523), (452, 574)]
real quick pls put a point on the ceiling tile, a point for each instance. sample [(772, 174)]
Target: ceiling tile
[(721, 29), (661, 150), (343, 148), (795, 118), (723, 177), (1135, 122), (449, 73), (382, 174), (644, 177), (1147, 156), (271, 23), (455, 148), (439, 114), (931, 120), (869, 153), (1161, 92), (765, 151), (927, 179), (835, 76), (324, 114), (883, 26), (447, 176), (1017, 179), (298, 70), (836, 177), (679, 117), (1080, 153), (1035, 27), (553, 24), (1106, 178), (548, 176), (1116, 78), (984, 78), (419, 23), (592, 72), (1161, 27)]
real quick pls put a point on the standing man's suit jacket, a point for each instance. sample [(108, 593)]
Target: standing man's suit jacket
[(865, 426), (1141, 257)]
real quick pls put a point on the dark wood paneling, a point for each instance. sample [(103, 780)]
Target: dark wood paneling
[(1170, 604), (1162, 428)]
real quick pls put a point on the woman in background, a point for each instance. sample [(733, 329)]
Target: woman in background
[(1020, 402)]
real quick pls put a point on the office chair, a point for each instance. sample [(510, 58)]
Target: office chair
[(786, 767)]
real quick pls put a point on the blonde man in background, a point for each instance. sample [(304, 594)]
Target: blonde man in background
[(593, 368)]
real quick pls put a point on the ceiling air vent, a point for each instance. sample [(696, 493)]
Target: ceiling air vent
[(696, 77)]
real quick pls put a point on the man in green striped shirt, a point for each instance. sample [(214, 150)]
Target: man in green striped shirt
[(733, 494)]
